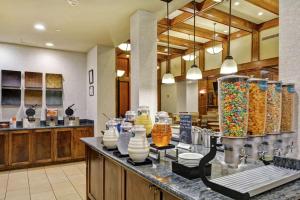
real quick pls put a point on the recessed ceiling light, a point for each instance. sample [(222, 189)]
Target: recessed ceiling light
[(127, 56), (40, 27), (166, 49), (225, 31), (216, 34), (218, 1), (236, 3), (73, 2), (49, 44), (260, 13)]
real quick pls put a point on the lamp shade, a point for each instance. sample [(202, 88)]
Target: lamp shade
[(125, 47), (194, 73), (168, 78), (188, 57), (214, 50), (120, 73), (229, 66)]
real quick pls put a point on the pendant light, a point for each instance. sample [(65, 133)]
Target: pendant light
[(214, 49), (229, 66), (125, 46), (168, 77), (194, 73)]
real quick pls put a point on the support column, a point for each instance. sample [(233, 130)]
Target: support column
[(289, 53), (143, 34)]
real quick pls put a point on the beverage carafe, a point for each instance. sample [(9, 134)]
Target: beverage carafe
[(124, 138), (144, 119), (138, 148), (161, 132)]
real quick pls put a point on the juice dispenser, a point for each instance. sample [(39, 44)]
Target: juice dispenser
[(161, 132), (143, 118)]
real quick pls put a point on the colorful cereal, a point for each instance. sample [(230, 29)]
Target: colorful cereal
[(233, 105)]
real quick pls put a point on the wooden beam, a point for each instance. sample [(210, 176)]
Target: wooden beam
[(172, 50), (269, 24), (202, 59), (178, 41), (200, 32), (239, 34), (222, 17), (255, 46), (269, 5)]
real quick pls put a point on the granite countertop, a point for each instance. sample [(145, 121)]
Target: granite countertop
[(83, 123), (161, 175)]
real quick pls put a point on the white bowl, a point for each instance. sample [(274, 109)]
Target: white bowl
[(190, 156)]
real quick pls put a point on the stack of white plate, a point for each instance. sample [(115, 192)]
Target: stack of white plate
[(189, 159)]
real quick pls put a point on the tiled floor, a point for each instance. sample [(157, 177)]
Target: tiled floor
[(55, 182)]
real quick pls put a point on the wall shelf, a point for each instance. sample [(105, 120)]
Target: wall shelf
[(33, 80), (11, 97), (54, 81), (54, 98), (11, 78), (33, 97)]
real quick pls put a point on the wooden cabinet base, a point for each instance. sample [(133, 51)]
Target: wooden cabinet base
[(38, 147)]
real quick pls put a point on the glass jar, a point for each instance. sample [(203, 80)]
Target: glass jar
[(257, 106), (130, 116), (161, 132), (144, 118), (124, 138), (273, 107), (288, 102), (233, 105)]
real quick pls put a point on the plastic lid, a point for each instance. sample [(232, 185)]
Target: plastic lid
[(256, 79), (274, 82), (232, 77), (163, 114), (288, 84), (130, 112)]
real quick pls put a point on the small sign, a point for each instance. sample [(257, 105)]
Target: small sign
[(185, 135)]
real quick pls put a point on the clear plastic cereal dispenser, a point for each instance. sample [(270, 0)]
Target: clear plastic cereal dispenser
[(274, 92), (288, 102), (257, 106), (233, 105)]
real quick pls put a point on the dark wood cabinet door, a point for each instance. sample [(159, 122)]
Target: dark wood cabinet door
[(42, 145), (63, 144), (20, 147), (3, 149), (95, 175), (78, 149), (168, 196), (139, 189), (114, 181)]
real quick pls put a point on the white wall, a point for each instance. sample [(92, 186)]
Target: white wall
[(192, 96), (213, 61), (176, 66), (241, 49), (289, 52), (269, 48), (168, 98), (71, 64), (91, 101)]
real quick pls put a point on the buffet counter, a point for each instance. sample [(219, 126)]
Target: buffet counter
[(27, 147), (110, 177)]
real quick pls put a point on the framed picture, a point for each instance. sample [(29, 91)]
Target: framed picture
[(91, 90), (91, 76)]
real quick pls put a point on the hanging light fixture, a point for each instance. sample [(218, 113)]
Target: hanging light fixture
[(194, 73), (214, 49), (168, 77), (229, 66), (125, 46)]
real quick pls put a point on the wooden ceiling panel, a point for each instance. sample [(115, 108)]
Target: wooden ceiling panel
[(269, 5)]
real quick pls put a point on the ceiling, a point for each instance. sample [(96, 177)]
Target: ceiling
[(75, 28)]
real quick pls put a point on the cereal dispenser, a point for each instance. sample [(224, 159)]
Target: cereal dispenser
[(257, 106), (273, 107), (233, 115)]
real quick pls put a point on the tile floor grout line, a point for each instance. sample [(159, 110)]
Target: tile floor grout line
[(6, 184), (72, 183), (50, 183), (28, 184)]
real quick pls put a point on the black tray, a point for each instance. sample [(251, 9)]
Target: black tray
[(119, 155), (189, 172), (170, 146), (146, 162), (106, 149)]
